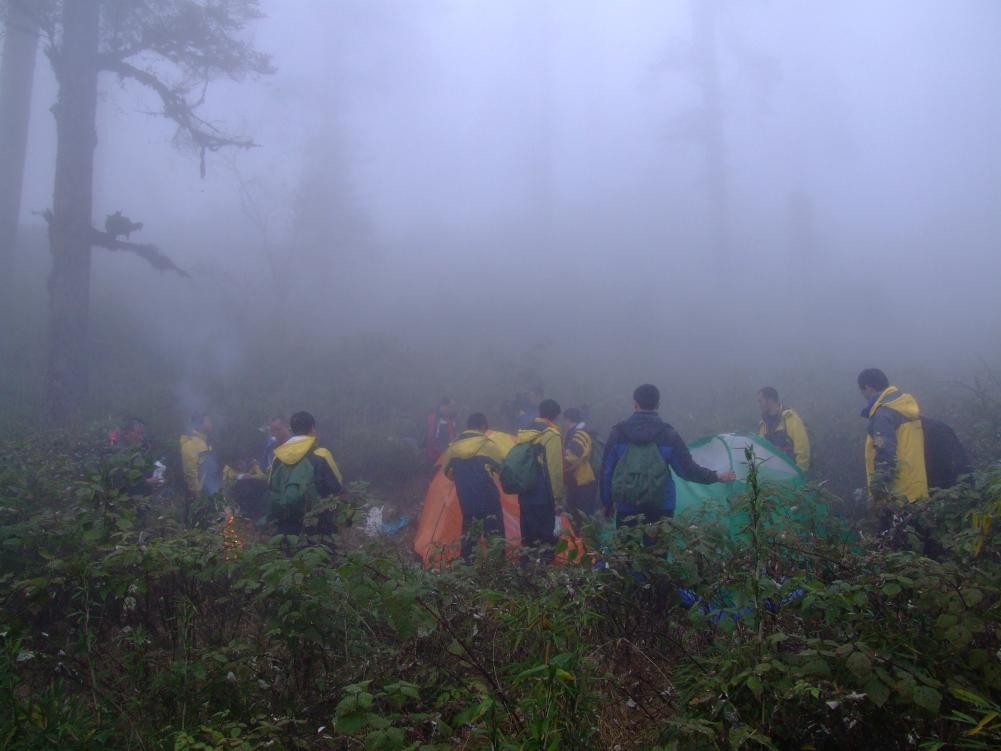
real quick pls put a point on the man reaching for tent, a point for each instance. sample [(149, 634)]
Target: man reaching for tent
[(636, 466), (784, 428), (473, 462), (302, 473)]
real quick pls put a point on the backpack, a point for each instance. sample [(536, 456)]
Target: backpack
[(641, 477), (945, 459), (292, 490), (521, 470)]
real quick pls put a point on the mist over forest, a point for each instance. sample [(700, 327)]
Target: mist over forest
[(359, 208), (531, 190)]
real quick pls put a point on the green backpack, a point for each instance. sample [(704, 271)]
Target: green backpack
[(641, 476), (521, 470), (292, 490)]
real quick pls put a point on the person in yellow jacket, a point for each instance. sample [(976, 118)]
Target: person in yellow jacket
[(581, 483), (784, 428), (472, 461), (302, 473), (895, 444), (198, 463), (538, 507)]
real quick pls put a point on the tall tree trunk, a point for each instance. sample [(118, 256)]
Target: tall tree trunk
[(17, 73), (70, 228)]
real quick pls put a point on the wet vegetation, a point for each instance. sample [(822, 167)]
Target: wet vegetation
[(124, 627), (363, 206)]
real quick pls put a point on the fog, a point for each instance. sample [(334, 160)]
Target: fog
[(591, 195)]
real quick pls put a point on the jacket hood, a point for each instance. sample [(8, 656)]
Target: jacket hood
[(469, 444), (294, 449), (643, 427), (898, 401), (538, 425)]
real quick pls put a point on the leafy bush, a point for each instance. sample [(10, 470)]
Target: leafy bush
[(122, 627)]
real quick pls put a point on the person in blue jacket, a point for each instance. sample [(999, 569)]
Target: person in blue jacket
[(644, 427)]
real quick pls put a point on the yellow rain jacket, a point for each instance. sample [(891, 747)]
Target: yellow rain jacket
[(895, 446), (578, 457), (548, 435), (193, 445), (474, 444), (789, 434), (296, 448)]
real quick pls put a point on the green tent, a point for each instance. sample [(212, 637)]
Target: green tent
[(778, 477)]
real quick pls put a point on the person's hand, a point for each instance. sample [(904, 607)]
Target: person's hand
[(728, 476)]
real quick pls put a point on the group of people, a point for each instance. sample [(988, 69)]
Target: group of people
[(556, 463), (299, 470), (633, 479), (552, 468)]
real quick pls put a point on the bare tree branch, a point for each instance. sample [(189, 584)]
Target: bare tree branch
[(203, 134), (148, 252)]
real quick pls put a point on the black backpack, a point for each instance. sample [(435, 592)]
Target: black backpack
[(945, 458)]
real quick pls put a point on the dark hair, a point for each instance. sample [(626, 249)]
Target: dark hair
[(647, 396), (549, 409), (477, 421), (769, 393), (573, 414), (302, 423), (444, 401), (198, 419), (875, 378)]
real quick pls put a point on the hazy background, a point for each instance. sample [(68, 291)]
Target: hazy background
[(472, 197)]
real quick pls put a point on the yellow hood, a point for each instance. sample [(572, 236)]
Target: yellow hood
[(295, 448), (469, 444), (905, 404)]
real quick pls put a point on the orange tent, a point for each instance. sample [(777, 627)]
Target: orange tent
[(439, 529)]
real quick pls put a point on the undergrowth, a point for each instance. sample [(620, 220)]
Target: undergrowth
[(123, 628)]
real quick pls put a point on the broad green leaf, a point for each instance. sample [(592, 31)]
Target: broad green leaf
[(927, 698)]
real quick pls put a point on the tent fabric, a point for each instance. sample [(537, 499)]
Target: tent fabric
[(726, 451), (439, 530), (778, 476)]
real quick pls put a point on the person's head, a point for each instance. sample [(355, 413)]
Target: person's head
[(477, 421), (768, 400), (549, 409), (572, 417), (446, 407), (872, 382), (133, 431), (279, 429), (646, 397), (303, 423), (201, 423), (536, 394)]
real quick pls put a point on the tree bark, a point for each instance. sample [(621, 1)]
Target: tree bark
[(70, 227), (17, 74)]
